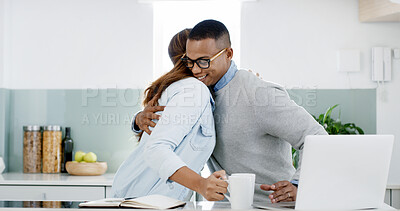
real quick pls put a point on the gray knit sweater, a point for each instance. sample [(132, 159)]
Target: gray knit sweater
[(256, 124)]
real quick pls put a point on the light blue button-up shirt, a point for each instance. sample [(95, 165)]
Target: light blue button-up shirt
[(228, 76), (184, 136)]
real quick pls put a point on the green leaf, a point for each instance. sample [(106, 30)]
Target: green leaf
[(333, 127), (321, 117), (328, 112), (347, 125), (360, 131)]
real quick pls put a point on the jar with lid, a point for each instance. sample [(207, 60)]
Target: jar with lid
[(32, 149), (52, 153)]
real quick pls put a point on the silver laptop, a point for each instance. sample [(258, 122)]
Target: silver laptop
[(342, 172)]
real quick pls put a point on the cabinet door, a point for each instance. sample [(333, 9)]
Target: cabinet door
[(108, 192), (388, 197), (396, 198), (51, 193)]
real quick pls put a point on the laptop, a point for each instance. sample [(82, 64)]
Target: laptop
[(341, 172)]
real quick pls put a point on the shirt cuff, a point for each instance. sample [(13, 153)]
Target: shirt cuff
[(295, 182), (134, 127), (169, 167)]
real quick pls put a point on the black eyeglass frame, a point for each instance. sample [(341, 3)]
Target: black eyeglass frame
[(185, 60)]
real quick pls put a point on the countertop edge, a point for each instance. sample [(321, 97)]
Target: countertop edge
[(63, 179)]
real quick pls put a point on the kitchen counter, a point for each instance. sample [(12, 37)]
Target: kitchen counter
[(57, 205), (393, 187), (201, 205)]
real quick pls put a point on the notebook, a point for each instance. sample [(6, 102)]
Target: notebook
[(158, 202)]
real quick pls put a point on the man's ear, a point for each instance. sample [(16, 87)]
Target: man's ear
[(229, 53)]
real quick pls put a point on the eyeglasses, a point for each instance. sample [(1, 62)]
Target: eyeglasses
[(202, 63)]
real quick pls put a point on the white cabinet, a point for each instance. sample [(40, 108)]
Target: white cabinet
[(392, 196), (54, 187), (396, 198), (108, 192), (50, 193), (387, 197)]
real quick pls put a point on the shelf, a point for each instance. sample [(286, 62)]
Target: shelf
[(378, 11)]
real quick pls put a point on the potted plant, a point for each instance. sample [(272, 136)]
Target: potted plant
[(332, 127)]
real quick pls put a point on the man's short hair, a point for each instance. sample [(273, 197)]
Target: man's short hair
[(210, 29)]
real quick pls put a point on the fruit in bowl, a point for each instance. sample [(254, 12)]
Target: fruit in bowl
[(79, 156), (90, 157), (86, 164), (86, 169)]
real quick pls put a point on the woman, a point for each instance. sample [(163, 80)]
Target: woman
[(168, 161)]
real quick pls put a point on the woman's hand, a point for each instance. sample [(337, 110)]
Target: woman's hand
[(214, 187)]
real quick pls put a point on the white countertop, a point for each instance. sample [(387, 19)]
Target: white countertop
[(203, 205), (393, 186), (55, 179)]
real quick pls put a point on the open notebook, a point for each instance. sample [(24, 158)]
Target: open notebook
[(158, 202)]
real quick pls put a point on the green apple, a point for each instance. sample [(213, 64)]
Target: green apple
[(79, 155), (90, 157)]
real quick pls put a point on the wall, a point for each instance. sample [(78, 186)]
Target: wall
[(351, 107), (1, 43), (4, 124), (294, 43), (79, 44), (3, 92), (295, 40)]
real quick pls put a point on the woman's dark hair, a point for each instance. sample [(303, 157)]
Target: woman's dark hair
[(176, 49)]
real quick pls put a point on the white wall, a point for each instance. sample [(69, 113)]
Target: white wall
[(294, 43), (388, 116), (294, 40), (1, 43), (78, 44)]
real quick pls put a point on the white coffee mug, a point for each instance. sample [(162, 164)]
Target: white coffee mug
[(253, 182), (241, 190)]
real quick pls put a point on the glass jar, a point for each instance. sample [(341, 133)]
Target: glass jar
[(51, 204), (33, 204), (32, 149), (52, 149)]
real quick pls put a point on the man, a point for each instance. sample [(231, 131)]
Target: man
[(256, 121)]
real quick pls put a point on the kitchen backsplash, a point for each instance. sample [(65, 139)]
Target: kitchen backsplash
[(100, 119)]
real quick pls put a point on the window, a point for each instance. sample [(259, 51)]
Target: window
[(171, 17)]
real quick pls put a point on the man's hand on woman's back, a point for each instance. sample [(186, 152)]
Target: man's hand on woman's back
[(144, 119)]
